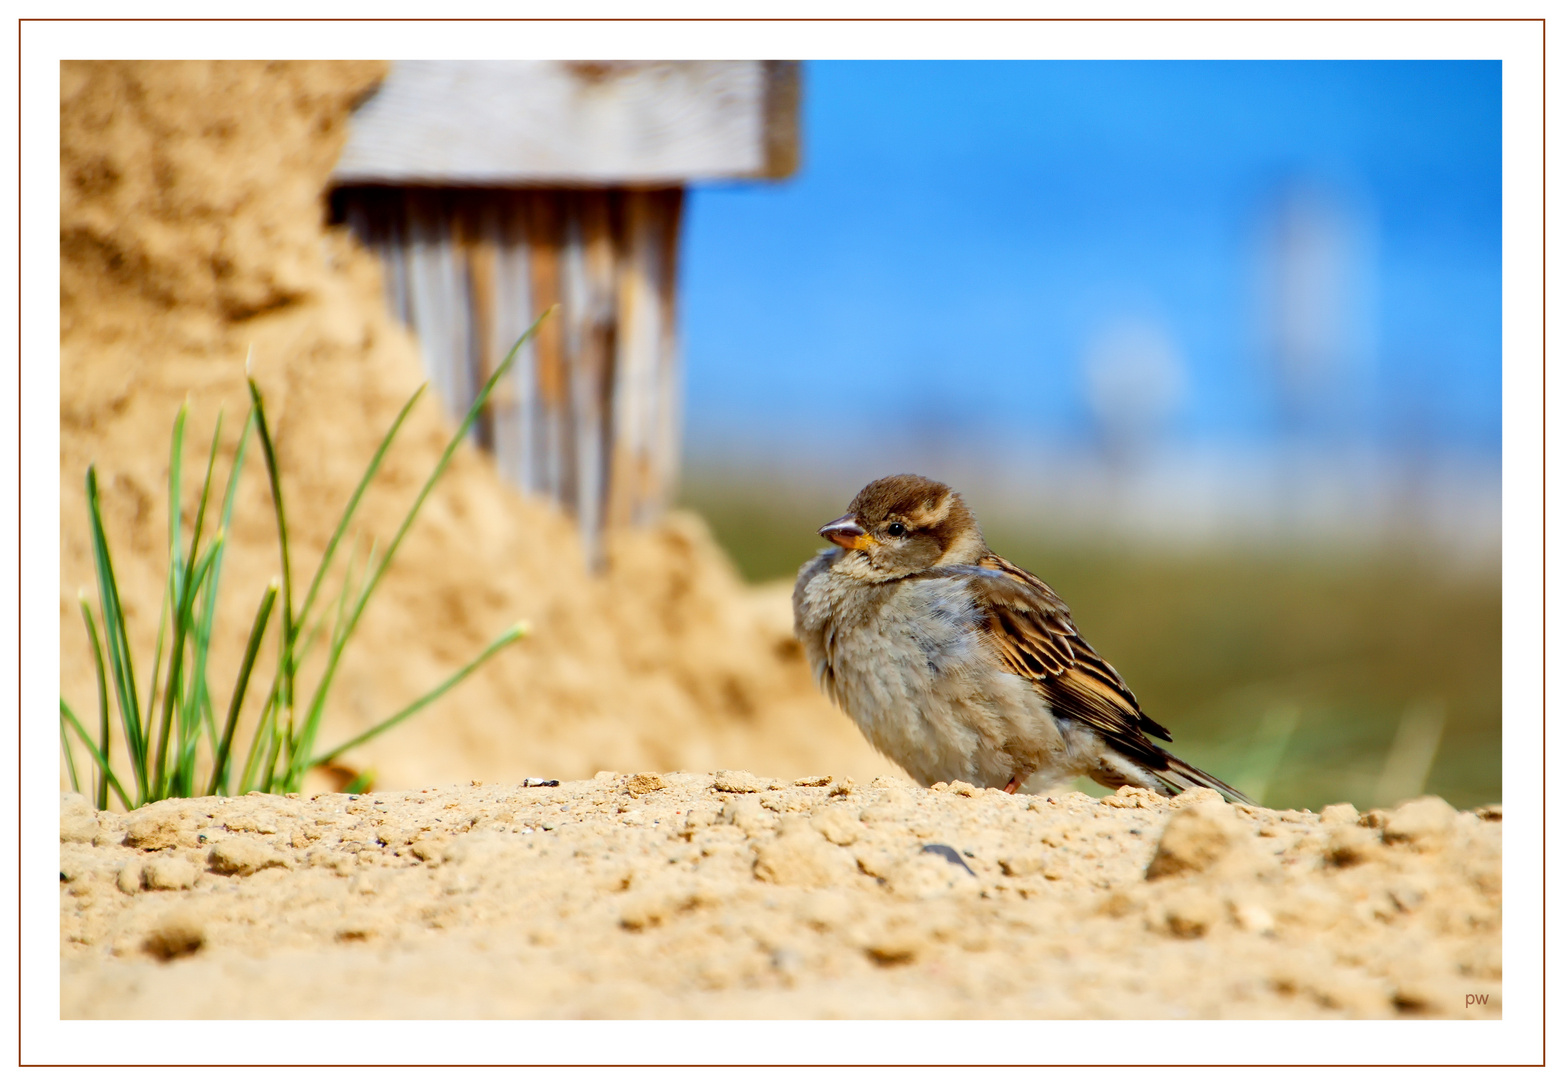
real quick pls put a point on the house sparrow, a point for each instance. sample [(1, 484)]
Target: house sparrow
[(957, 664)]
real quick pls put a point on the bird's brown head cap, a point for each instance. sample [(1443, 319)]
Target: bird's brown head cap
[(906, 523)]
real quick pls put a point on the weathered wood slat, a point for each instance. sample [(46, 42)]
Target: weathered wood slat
[(589, 415)]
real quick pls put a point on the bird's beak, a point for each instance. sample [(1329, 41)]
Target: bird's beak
[(845, 532)]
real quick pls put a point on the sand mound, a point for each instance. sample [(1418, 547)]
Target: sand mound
[(688, 896), (191, 233)]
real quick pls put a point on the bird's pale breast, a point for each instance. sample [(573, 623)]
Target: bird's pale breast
[(909, 662)]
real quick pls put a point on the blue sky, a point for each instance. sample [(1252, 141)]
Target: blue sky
[(960, 233)]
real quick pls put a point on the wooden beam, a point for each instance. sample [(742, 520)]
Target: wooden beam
[(507, 123)]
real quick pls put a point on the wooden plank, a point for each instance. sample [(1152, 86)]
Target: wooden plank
[(500, 123), (669, 381), (545, 231), (478, 230), (590, 319), (514, 420), (633, 489), (590, 416)]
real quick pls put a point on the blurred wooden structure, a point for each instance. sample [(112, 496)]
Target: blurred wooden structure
[(490, 190)]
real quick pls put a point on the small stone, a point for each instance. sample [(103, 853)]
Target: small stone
[(78, 821), (812, 781), (844, 786), (74, 865), (1421, 822), (1190, 913), (129, 878), (736, 781), (178, 936), (785, 801), (949, 855), (159, 826), (960, 787), (1350, 844), (1025, 864), (748, 815), (170, 872), (897, 946), (1196, 838), (800, 856), (359, 926), (652, 908), (1253, 918), (644, 783), (1196, 795), (1339, 814), (925, 876), (1119, 904), (242, 856), (838, 825), (429, 850), (1129, 797)]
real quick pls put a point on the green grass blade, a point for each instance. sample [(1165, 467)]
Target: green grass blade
[(295, 754), (336, 621), (102, 762), (285, 660), (260, 742), (65, 744), (352, 503), (176, 696), (208, 613), (206, 726), (251, 650), (178, 580), (118, 640), (515, 633), (157, 651), (317, 702), (176, 485), (195, 694), (181, 698), (97, 660), (176, 568), (280, 737)]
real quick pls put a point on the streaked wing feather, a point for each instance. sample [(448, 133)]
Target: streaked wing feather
[(1037, 640)]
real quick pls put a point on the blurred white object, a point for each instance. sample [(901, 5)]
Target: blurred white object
[(1135, 379), (1315, 303)]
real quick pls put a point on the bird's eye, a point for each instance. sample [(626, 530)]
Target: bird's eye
[(895, 528)]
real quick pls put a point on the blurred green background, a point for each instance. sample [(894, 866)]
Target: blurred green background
[(1303, 675)]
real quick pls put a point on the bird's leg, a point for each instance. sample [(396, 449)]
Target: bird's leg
[(1014, 783)]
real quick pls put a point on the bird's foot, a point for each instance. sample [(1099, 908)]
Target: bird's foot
[(1014, 784)]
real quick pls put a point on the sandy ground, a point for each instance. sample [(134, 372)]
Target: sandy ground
[(700, 896)]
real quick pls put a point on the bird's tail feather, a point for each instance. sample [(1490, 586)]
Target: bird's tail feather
[(1179, 774), (1171, 778)]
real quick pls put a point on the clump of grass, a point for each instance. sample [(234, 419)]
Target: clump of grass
[(165, 732)]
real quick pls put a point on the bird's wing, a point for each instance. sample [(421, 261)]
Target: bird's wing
[(1036, 639)]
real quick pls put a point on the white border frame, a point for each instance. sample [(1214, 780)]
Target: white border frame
[(1514, 1039)]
